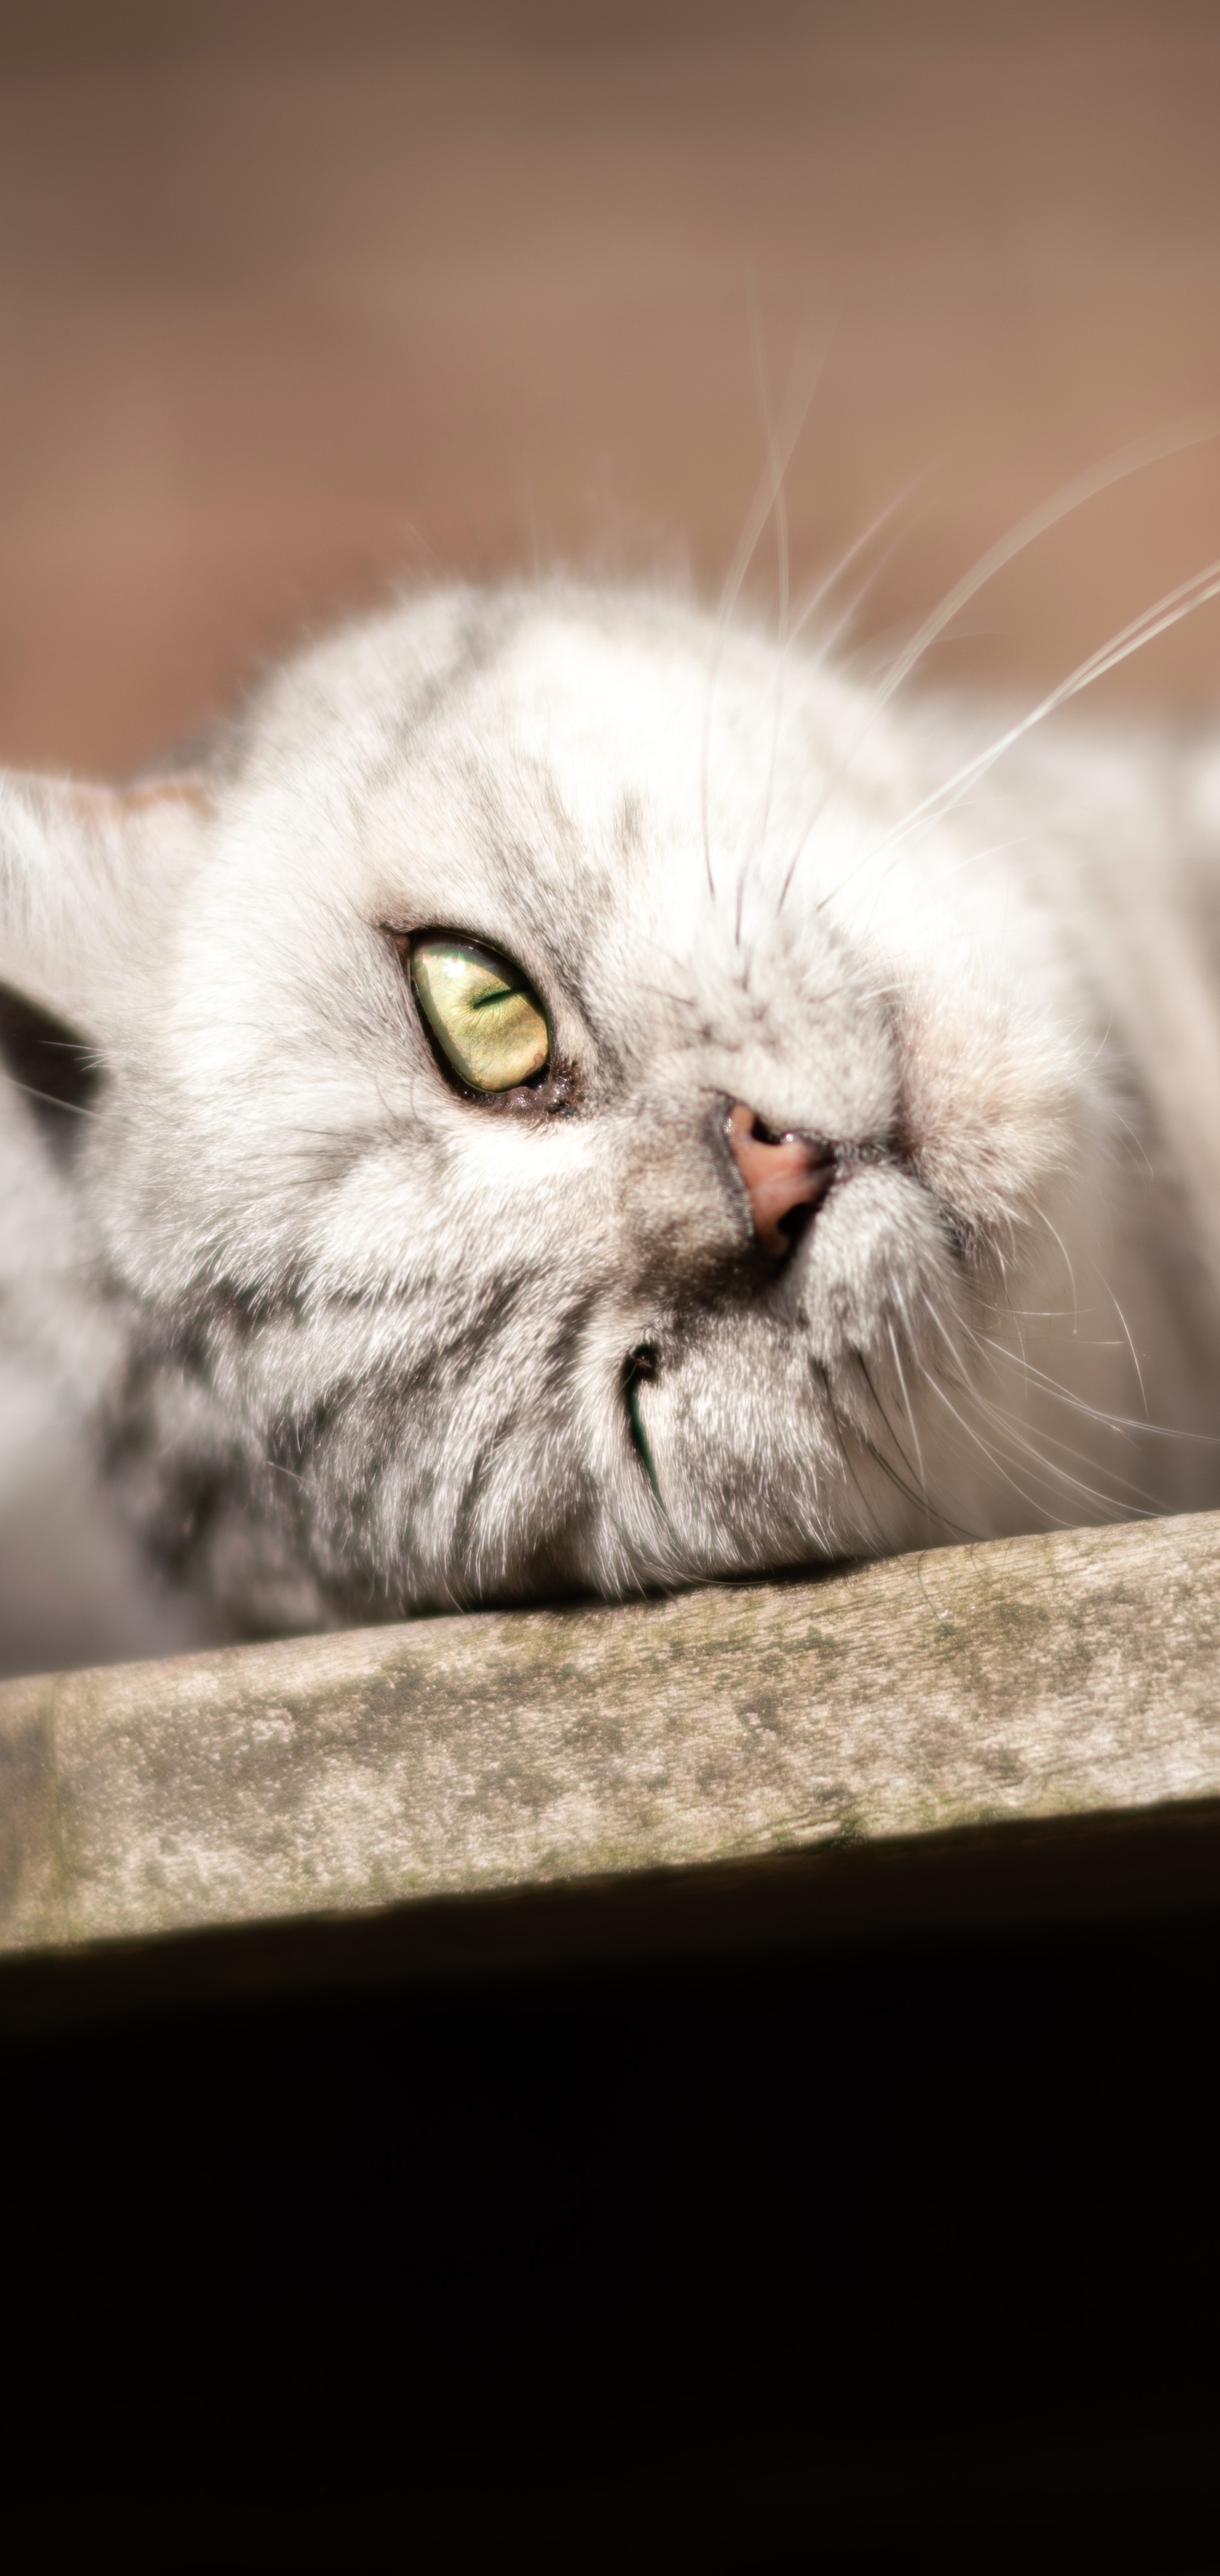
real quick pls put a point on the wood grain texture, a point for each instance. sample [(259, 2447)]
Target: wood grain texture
[(961, 1689)]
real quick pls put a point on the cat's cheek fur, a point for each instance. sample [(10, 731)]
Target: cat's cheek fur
[(994, 1104)]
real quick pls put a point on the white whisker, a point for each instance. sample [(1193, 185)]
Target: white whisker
[(1157, 620), (780, 449), (1071, 496)]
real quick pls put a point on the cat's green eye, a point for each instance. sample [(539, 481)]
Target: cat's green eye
[(481, 1012)]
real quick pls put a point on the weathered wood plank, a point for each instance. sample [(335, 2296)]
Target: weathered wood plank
[(1039, 1678)]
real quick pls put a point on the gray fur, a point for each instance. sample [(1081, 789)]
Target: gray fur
[(344, 1344)]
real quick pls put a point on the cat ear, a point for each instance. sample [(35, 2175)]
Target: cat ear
[(85, 873)]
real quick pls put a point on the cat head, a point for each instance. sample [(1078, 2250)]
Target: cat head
[(547, 1119)]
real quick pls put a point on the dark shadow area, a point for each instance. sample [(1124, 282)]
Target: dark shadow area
[(51, 1064), (901, 2258)]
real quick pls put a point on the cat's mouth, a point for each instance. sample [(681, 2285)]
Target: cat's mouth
[(640, 1368)]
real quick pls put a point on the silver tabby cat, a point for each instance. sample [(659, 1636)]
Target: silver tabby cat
[(572, 1096)]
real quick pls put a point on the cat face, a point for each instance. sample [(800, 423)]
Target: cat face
[(560, 1125)]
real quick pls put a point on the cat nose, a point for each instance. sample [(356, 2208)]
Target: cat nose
[(781, 1174)]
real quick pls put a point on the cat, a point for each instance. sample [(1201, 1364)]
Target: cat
[(574, 1095)]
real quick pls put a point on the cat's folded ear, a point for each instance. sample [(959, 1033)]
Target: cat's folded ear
[(87, 874)]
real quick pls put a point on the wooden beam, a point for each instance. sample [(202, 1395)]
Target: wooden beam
[(970, 1695)]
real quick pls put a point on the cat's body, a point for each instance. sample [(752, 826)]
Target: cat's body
[(351, 1338)]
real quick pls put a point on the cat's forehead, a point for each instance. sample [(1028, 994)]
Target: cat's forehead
[(575, 771), (592, 696), (580, 725), (558, 747)]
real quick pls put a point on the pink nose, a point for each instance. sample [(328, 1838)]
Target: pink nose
[(779, 1177)]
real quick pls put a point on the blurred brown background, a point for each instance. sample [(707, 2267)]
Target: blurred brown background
[(296, 297)]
